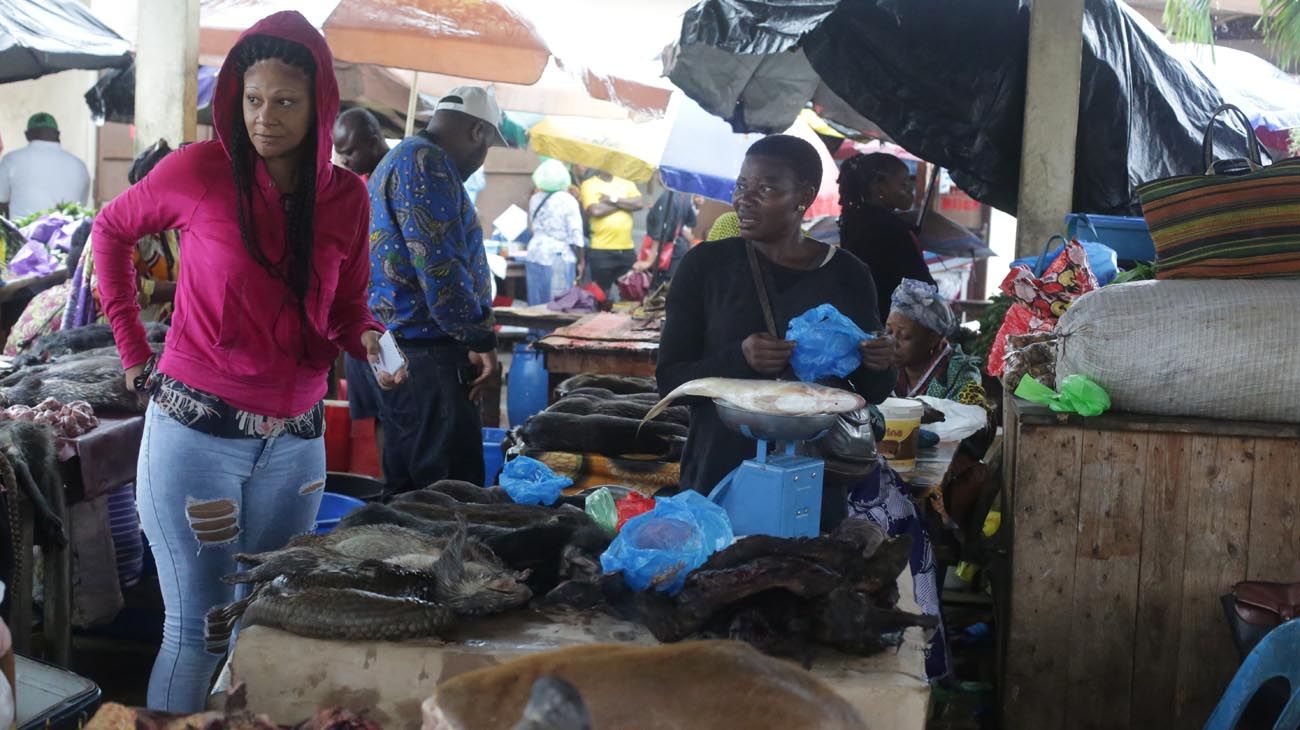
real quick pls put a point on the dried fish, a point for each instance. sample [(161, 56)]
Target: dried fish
[(777, 397)]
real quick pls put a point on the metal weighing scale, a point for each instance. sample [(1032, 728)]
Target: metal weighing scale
[(776, 494)]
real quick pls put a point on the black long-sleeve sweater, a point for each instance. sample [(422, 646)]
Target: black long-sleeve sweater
[(713, 307)]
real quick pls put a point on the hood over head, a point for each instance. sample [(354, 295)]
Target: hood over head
[(288, 25)]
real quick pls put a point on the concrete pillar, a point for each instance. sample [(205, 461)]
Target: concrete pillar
[(1051, 122), (166, 65)]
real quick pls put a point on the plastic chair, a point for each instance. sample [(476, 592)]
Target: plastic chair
[(1278, 655)]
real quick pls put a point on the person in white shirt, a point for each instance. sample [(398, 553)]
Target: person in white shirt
[(42, 174)]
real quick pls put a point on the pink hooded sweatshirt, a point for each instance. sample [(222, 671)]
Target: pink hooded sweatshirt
[(236, 331)]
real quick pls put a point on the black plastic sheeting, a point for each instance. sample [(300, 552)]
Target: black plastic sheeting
[(946, 80), (39, 37)]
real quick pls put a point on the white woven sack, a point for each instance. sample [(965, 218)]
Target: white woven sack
[(1208, 348)]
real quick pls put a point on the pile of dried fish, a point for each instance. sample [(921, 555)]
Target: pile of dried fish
[(377, 582), (784, 596)]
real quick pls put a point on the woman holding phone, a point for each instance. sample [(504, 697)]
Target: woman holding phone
[(276, 255)]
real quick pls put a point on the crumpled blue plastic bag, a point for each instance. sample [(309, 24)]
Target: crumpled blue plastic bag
[(529, 481), (825, 344), (661, 547)]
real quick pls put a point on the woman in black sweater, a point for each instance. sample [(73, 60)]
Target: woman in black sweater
[(872, 188), (715, 325)]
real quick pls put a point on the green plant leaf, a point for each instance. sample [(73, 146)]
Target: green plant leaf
[(1280, 24), (1190, 21)]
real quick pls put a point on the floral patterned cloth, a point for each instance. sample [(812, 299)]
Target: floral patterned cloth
[(206, 413), (43, 315), (883, 498), (429, 278)]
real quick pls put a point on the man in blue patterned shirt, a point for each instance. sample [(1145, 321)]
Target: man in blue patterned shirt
[(431, 287)]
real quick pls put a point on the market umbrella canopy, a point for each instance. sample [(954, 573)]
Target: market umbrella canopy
[(478, 39), (39, 37), (627, 149), (485, 40), (947, 81)]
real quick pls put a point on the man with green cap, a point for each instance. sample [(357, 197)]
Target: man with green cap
[(42, 174)]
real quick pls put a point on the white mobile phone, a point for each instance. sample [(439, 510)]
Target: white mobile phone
[(390, 356)]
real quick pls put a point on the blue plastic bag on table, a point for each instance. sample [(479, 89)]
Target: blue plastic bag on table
[(660, 548), (825, 344), (529, 481), (1102, 259)]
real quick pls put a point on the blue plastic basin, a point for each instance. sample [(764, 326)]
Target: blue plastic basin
[(333, 507)]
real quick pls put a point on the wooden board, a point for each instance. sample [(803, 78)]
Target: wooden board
[(1170, 462), (1042, 576), (1113, 471), (1033, 414), (1274, 552), (1217, 524)]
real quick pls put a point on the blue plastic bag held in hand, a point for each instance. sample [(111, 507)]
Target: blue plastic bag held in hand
[(529, 481), (660, 548), (825, 344)]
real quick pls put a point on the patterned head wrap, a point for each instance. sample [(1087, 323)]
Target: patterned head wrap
[(921, 303), (551, 177)]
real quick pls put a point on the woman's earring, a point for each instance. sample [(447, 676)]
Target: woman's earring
[(802, 208)]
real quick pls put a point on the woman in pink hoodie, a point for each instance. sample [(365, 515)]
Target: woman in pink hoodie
[(273, 286)]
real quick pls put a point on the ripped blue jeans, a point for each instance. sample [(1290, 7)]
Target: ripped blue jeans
[(202, 499)]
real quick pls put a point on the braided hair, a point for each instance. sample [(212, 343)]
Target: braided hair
[(857, 176), (294, 268)]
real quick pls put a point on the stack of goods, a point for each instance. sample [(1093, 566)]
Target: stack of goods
[(414, 567), (785, 596), (1214, 336), (594, 435)]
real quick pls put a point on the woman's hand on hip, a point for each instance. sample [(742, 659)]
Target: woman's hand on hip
[(386, 380), (877, 354), (766, 354), (133, 372)]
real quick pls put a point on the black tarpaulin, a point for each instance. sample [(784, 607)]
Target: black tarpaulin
[(946, 80), (39, 37)]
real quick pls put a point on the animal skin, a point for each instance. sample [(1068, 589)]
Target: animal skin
[(29, 448), (80, 339), (691, 686), (609, 435), (98, 381), (624, 384)]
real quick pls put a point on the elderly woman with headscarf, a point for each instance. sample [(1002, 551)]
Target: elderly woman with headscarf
[(921, 322), (556, 221)]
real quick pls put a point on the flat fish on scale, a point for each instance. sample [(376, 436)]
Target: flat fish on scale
[(775, 397)]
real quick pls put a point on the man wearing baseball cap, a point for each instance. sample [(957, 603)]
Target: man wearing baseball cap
[(431, 287), (42, 174)]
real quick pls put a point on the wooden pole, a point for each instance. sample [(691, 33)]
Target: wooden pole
[(1051, 122), (411, 103)]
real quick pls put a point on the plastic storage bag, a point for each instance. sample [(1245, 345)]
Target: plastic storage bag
[(529, 481), (601, 509), (632, 505), (1040, 301), (1078, 394), (660, 548), (825, 344)]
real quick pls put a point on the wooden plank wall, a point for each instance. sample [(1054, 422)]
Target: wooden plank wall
[(1123, 542)]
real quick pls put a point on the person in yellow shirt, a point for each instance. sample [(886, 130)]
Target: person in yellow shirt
[(609, 203)]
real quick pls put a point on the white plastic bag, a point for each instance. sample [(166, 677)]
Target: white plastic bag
[(959, 421)]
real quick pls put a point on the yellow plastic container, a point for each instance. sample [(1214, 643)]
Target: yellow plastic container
[(902, 430)]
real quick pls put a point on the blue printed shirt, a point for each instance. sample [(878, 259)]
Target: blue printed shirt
[(429, 278)]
